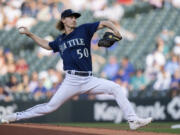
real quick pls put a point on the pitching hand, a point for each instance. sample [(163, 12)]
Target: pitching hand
[(23, 30)]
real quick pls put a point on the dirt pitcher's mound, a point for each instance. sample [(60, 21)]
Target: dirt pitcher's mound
[(42, 129)]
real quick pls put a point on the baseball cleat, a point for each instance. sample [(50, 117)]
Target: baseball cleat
[(3, 121), (139, 123), (7, 119)]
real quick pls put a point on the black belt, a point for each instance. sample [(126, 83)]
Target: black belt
[(80, 73)]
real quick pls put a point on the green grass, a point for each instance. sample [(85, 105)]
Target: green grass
[(163, 127)]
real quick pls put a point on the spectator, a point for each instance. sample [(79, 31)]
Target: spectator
[(163, 80), (122, 78), (44, 12), (78, 5), (111, 68), (4, 95), (161, 45), (175, 83), (33, 81), (16, 3), (97, 61), (54, 11), (108, 12), (25, 13), (54, 88), (172, 65), (40, 91), (2, 17), (26, 21), (95, 5), (176, 3), (127, 66), (166, 35), (10, 62), (9, 56), (11, 67), (12, 14), (55, 75), (3, 66), (65, 4), (33, 9), (45, 79), (21, 66), (24, 85), (13, 83), (1, 51), (176, 48), (159, 57), (138, 81), (26, 8), (154, 61), (151, 68), (125, 72)]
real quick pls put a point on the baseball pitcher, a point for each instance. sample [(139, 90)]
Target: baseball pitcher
[(74, 48)]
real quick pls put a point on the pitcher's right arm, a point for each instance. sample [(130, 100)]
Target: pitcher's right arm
[(41, 42)]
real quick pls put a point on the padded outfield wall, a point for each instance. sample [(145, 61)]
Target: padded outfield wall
[(100, 111)]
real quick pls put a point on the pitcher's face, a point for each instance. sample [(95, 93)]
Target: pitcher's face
[(69, 22)]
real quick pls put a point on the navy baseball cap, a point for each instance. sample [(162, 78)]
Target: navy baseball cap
[(69, 12)]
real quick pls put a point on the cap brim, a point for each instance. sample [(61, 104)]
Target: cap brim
[(77, 15)]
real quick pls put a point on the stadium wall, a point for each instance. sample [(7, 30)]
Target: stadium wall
[(100, 111)]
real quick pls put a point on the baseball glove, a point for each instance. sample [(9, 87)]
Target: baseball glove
[(108, 40)]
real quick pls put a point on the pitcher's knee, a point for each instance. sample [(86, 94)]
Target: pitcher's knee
[(116, 89), (50, 108)]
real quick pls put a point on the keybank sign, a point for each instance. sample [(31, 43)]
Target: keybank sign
[(166, 111)]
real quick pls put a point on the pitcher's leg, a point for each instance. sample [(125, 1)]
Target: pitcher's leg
[(63, 93), (105, 86), (109, 87)]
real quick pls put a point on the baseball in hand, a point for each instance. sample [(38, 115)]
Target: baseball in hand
[(21, 30)]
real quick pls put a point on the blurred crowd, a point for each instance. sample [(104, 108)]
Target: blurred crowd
[(38, 85), (162, 70), (15, 13)]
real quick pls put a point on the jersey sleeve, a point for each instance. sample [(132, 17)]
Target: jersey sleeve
[(91, 28), (54, 45)]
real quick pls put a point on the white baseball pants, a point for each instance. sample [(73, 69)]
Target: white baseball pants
[(74, 85)]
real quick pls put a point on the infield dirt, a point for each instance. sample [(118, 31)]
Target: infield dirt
[(44, 129)]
